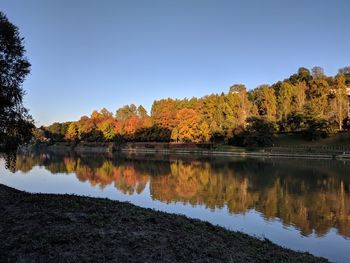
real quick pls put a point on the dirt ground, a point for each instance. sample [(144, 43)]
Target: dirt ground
[(67, 228)]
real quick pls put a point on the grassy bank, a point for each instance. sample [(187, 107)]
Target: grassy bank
[(66, 228)]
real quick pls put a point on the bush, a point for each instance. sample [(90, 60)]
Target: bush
[(318, 128), (259, 132)]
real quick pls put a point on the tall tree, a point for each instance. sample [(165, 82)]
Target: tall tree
[(266, 102), (317, 72), (15, 122), (299, 96), (72, 132), (238, 88), (141, 112), (317, 97), (285, 97), (188, 125), (346, 73), (339, 103), (126, 112)]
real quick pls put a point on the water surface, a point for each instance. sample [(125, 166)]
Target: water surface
[(299, 204)]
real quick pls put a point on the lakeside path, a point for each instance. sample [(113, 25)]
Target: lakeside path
[(68, 228)]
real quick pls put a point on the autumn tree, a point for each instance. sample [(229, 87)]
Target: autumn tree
[(131, 125), (72, 133), (107, 128), (86, 128), (317, 97), (285, 98), (299, 97), (240, 105), (164, 113), (125, 112), (346, 73), (204, 132), (265, 99), (188, 125), (339, 102)]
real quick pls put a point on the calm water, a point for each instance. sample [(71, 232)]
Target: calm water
[(300, 204)]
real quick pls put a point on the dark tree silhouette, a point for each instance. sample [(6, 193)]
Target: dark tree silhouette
[(15, 123)]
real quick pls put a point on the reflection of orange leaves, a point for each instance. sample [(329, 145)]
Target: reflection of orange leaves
[(129, 176), (162, 188), (187, 188), (104, 173), (70, 164), (85, 173), (186, 181), (128, 180)]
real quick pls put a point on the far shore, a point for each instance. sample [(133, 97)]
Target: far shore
[(68, 228), (308, 152)]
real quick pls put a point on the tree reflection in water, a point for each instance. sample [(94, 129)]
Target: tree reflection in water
[(309, 194)]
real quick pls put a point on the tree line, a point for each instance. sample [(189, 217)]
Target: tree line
[(308, 102)]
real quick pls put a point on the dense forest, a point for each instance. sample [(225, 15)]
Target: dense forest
[(308, 102)]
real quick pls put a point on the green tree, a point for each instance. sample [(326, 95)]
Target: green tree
[(15, 122), (126, 112), (141, 112), (259, 132), (317, 129), (346, 73), (238, 88), (317, 72)]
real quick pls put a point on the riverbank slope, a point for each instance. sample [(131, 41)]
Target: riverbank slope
[(67, 228)]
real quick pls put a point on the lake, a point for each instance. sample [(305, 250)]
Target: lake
[(297, 203)]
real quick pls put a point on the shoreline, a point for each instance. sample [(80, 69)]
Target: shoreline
[(256, 154), (75, 228), (178, 149)]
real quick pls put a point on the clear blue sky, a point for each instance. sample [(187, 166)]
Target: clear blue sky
[(87, 55)]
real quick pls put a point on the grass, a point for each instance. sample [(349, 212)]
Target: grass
[(66, 228)]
